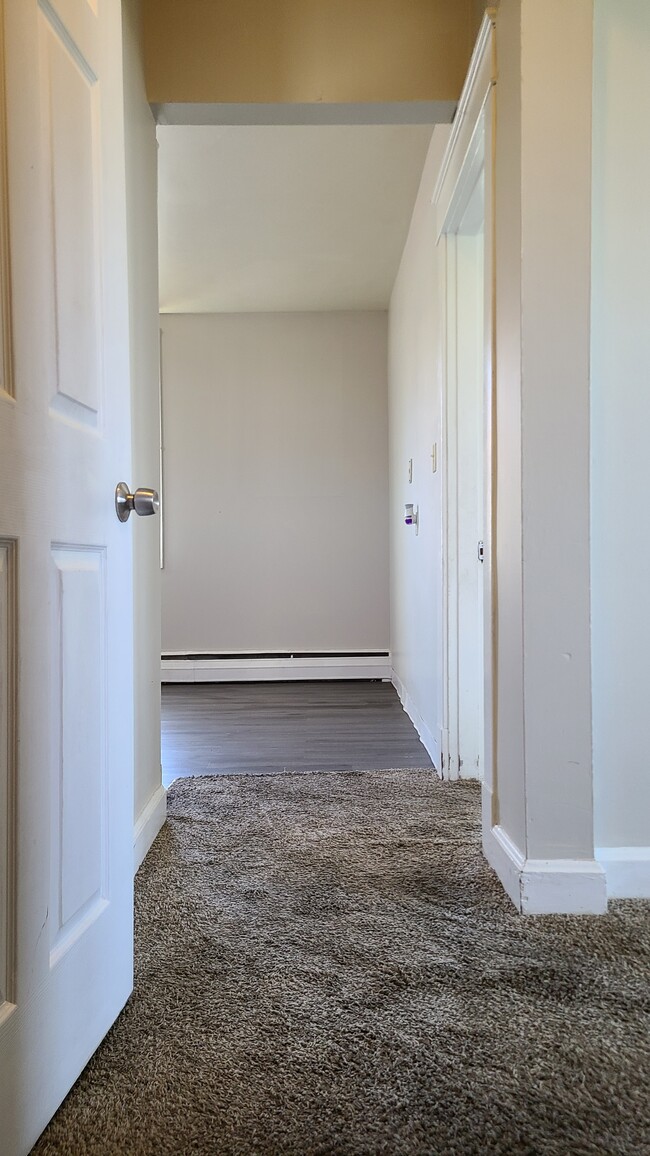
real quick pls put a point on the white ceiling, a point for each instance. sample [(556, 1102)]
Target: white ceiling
[(284, 217)]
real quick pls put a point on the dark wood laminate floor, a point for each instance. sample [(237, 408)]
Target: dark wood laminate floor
[(266, 727)]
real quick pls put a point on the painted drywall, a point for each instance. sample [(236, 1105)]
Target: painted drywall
[(620, 420), (272, 51), (543, 184), (141, 181), (556, 251), (510, 787), (415, 351), (328, 232), (276, 480)]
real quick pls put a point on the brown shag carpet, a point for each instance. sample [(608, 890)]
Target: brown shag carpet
[(326, 965)]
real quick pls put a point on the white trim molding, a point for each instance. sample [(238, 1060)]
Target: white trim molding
[(457, 161), (627, 870), (545, 886), (427, 738), (260, 668), (563, 887), (468, 157), (6, 329), (147, 825), (502, 854)]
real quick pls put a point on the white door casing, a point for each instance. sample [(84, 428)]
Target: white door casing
[(66, 725), (467, 170), (465, 456)]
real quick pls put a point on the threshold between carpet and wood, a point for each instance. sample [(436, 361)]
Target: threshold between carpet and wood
[(263, 727), (326, 965)]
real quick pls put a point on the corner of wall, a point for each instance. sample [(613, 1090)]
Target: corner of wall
[(415, 407), (545, 886)]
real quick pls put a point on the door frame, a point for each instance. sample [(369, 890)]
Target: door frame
[(469, 152)]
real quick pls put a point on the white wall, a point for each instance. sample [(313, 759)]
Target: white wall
[(415, 399), (275, 475), (620, 421), (540, 824), (141, 185), (509, 680)]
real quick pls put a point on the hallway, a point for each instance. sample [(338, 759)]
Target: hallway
[(326, 966), (262, 728)]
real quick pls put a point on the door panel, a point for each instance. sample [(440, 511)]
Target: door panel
[(79, 834), (70, 94), (66, 800), (6, 367)]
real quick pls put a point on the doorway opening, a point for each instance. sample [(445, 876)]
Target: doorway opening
[(464, 200), (279, 246)]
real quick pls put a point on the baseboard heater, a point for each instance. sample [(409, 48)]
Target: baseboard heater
[(274, 665)]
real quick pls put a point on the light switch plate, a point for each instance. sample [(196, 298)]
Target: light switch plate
[(410, 470)]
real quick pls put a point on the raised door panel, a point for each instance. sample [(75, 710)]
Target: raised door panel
[(70, 94), (6, 367), (79, 803)]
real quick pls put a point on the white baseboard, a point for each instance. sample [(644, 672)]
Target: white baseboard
[(240, 668), (545, 886), (148, 824), (563, 887), (427, 738), (627, 870), (505, 859)]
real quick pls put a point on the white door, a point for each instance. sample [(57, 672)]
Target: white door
[(66, 728)]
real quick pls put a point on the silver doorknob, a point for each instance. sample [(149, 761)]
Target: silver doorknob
[(143, 501)]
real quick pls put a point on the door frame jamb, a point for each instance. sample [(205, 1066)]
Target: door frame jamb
[(469, 150)]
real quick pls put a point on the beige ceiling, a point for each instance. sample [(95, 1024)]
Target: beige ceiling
[(284, 217)]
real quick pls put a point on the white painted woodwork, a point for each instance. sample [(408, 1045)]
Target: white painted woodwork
[(423, 341), (148, 823), (79, 881), (6, 359), (464, 658), (463, 155), (7, 769), (429, 740), (469, 460), (142, 231), (627, 870), (64, 443), (489, 472), (544, 886), (72, 95), (243, 668), (462, 200), (509, 809)]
